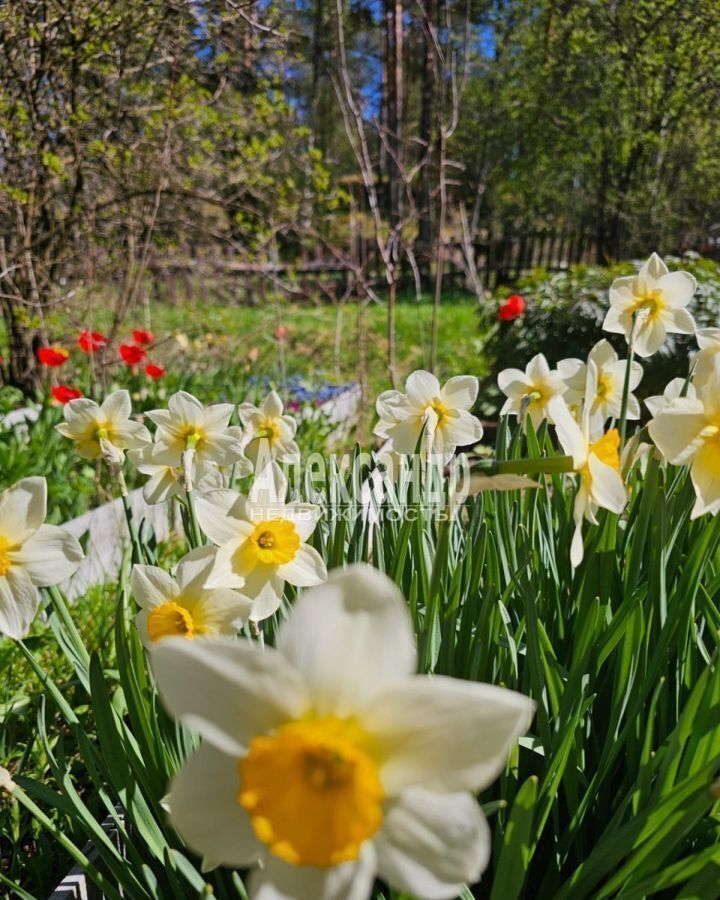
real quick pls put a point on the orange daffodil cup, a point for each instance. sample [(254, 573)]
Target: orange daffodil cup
[(328, 761), (183, 606)]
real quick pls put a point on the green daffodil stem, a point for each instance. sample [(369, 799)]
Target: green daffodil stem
[(137, 552), (626, 384), (195, 536), (74, 851), (549, 465), (60, 607)]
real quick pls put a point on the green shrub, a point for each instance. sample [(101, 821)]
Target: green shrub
[(564, 316)]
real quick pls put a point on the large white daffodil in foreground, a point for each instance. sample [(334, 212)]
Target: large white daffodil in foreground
[(183, 606), (596, 459), (440, 414), (607, 401), (647, 306), (261, 541), (32, 554), (268, 433), (328, 761), (687, 431), (530, 393), (103, 430)]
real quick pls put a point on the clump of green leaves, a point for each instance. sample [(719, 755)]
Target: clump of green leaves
[(611, 793)]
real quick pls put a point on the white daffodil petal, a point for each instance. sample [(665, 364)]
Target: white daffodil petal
[(304, 517), (649, 337), (349, 637), (462, 430), (152, 586), (219, 514), (460, 392), (705, 474), (22, 509), (349, 881), (49, 556), (265, 588), (676, 431), (422, 388), (194, 569), (444, 734), (231, 566), (227, 691), (205, 811), (569, 432), (431, 844), (306, 569), (272, 406), (117, 405), (607, 488), (677, 288), (19, 601), (614, 321), (405, 435), (679, 321)]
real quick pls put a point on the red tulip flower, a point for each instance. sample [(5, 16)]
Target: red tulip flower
[(64, 394), (91, 341), (281, 332), (154, 372), (132, 354), (52, 356), (512, 308), (143, 338)]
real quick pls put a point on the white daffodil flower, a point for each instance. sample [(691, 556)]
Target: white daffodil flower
[(440, 414), (104, 430), (596, 460), (530, 392), (678, 387), (647, 306), (32, 554), (328, 760), (687, 431), (704, 360), (607, 402), (261, 541), (166, 481), (202, 432), (268, 433), (183, 606)]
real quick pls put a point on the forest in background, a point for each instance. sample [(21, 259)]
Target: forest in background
[(372, 133)]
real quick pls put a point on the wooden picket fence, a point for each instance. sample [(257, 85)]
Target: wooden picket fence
[(498, 259)]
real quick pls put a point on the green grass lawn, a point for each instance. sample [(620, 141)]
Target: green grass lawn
[(321, 341)]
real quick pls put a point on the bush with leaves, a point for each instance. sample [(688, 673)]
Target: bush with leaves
[(564, 315)]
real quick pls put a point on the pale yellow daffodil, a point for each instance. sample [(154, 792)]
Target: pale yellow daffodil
[(647, 306)]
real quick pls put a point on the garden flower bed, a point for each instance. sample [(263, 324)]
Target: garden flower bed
[(405, 671)]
